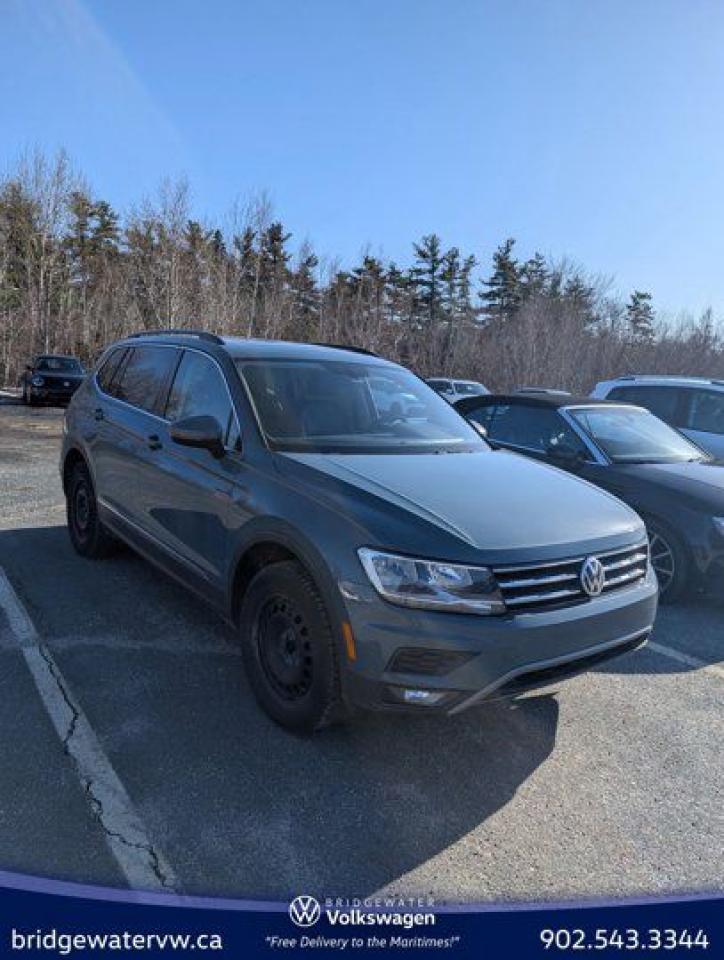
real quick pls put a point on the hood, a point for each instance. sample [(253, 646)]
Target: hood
[(493, 501), (57, 375), (702, 481)]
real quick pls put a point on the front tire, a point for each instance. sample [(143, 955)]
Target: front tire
[(670, 561), (289, 648), (89, 536)]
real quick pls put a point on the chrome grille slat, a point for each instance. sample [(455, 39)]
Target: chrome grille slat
[(635, 558), (537, 585), (634, 574), (535, 581), (543, 597)]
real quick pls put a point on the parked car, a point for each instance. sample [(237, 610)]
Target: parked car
[(51, 378), (453, 390), (392, 402), (388, 564), (693, 405), (674, 485)]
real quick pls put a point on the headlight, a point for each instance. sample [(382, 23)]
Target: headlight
[(719, 524), (432, 585), (37, 381)]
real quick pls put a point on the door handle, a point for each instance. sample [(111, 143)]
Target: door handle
[(98, 414), (154, 442)]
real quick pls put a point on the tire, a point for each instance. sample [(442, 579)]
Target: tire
[(289, 649), (670, 560), (89, 536)]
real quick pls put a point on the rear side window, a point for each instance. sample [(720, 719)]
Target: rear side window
[(199, 389), (109, 368), (533, 428), (663, 402), (706, 411), (482, 415), (145, 372)]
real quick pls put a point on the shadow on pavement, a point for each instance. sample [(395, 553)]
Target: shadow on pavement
[(238, 805)]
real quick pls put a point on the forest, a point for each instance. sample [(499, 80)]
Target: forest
[(76, 274)]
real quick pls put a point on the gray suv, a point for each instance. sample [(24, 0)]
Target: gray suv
[(367, 554)]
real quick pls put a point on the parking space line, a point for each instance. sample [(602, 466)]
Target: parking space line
[(685, 658), (143, 865)]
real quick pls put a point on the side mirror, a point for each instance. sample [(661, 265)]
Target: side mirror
[(203, 432), (483, 431)]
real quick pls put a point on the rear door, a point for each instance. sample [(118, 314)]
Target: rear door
[(125, 452), (704, 419)]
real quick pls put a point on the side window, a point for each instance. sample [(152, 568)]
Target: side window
[(482, 415), (199, 389), (108, 369), (706, 411), (144, 373), (533, 428), (663, 402)]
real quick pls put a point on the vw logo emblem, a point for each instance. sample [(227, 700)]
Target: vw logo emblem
[(593, 576), (304, 911)]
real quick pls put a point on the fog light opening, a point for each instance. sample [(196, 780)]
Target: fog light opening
[(418, 697)]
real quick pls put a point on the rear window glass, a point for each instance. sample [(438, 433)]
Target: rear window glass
[(661, 401), (706, 412), (146, 370), (108, 369)]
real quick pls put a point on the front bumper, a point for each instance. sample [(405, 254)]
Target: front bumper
[(501, 655), (53, 394)]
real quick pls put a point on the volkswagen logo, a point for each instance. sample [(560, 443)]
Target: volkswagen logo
[(593, 576), (304, 911)]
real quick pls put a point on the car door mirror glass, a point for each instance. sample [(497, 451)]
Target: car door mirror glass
[(202, 432)]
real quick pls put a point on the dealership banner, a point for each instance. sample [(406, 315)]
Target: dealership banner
[(49, 918)]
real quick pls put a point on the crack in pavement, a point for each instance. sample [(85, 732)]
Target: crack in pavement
[(94, 801), (143, 865)]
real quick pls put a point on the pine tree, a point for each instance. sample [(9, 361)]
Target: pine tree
[(640, 316), (427, 278), (502, 293), (533, 277)]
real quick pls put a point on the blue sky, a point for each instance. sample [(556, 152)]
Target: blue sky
[(591, 129)]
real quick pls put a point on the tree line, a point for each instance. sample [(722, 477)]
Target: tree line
[(76, 275)]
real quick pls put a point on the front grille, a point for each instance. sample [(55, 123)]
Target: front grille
[(432, 663), (540, 585)]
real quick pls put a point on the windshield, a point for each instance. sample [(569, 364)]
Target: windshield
[(632, 435), (59, 365), (326, 406)]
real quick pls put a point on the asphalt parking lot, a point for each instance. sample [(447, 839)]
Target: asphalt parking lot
[(611, 785)]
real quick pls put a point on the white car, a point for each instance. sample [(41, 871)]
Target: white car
[(453, 390), (693, 405)]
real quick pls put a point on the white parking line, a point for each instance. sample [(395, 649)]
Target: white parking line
[(143, 865), (685, 658)]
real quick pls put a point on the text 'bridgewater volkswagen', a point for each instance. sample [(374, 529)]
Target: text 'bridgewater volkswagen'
[(369, 553)]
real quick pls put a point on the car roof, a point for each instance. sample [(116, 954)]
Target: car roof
[(553, 400), (654, 379), (253, 349)]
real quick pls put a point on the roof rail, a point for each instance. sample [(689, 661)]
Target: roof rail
[(345, 346), (178, 332)]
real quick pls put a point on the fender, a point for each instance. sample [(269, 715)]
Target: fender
[(275, 530)]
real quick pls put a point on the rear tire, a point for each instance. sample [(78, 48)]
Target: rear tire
[(90, 538), (670, 560), (289, 649)]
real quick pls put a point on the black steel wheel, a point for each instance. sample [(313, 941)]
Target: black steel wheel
[(87, 534), (289, 648)]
